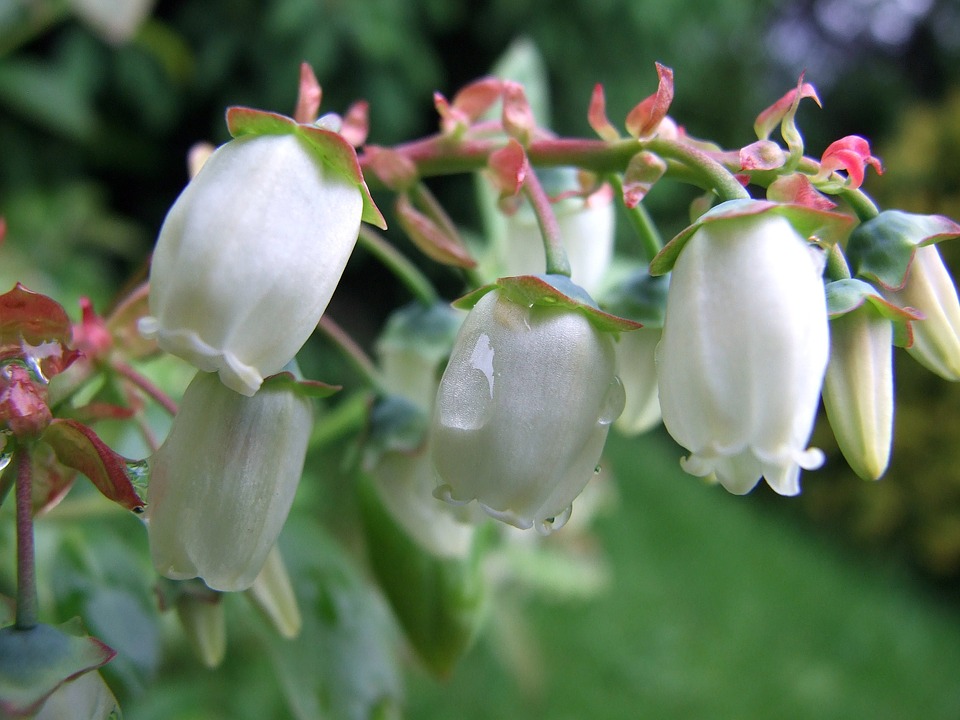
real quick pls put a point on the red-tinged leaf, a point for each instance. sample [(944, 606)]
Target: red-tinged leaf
[(509, 168), (36, 661), (474, 99), (35, 329), (79, 447), (851, 154), (394, 169), (50, 480), (644, 119), (785, 107), (356, 123), (122, 324), (642, 173), (597, 116), (518, 120), (430, 238), (762, 155), (798, 189), (308, 96)]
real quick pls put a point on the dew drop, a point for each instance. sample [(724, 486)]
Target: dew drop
[(613, 402)]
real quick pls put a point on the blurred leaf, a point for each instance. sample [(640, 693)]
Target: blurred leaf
[(48, 97), (343, 665)]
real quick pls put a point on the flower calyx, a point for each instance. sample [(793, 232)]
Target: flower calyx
[(826, 227), (550, 291)]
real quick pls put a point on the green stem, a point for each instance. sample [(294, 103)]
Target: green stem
[(351, 350), (408, 273), (837, 268), (860, 203), (556, 255), (146, 386), (26, 560), (650, 240), (721, 180)]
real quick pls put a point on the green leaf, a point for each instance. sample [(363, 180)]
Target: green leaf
[(343, 665), (882, 248), (79, 447), (36, 661), (438, 601)]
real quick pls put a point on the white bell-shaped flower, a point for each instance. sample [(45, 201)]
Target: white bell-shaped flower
[(523, 410), (249, 256), (744, 350), (930, 289), (222, 483)]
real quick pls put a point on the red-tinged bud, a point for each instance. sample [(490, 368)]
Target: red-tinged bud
[(597, 116), (508, 166), (783, 109), (852, 155), (356, 123), (23, 402), (644, 120), (518, 120), (308, 97)]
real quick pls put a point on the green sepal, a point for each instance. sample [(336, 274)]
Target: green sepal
[(844, 296), (438, 601), (332, 148), (882, 248), (826, 226), (311, 389), (36, 661), (396, 425), (556, 291), (641, 297)]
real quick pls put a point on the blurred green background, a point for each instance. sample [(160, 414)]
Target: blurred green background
[(684, 602)]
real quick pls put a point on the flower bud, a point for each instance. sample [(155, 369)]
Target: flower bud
[(249, 256), (858, 389), (523, 410), (87, 697), (744, 349), (204, 622), (222, 483), (930, 289)]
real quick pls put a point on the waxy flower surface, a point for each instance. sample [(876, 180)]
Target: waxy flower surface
[(249, 256), (222, 483), (744, 349), (523, 410)]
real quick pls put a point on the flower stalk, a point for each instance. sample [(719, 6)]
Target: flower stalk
[(26, 562)]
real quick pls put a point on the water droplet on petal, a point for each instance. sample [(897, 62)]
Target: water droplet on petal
[(613, 402)]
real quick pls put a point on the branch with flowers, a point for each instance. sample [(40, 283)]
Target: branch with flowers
[(789, 286)]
